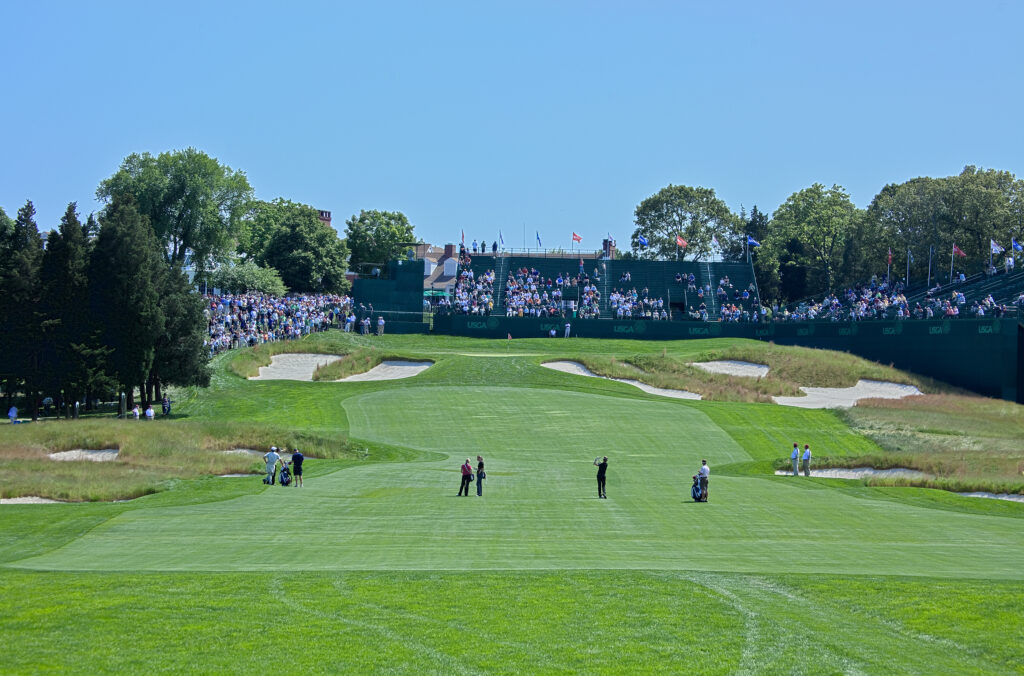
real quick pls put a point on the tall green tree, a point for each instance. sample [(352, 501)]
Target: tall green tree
[(812, 229), (247, 276), (376, 237), (694, 213), (180, 358), (64, 287), (124, 283), (21, 252), (194, 204), (306, 252)]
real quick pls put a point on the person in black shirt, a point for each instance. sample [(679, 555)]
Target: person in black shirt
[(480, 476), (602, 468), (297, 459)]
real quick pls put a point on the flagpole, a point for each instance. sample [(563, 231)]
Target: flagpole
[(908, 267), (930, 250), (951, 254)]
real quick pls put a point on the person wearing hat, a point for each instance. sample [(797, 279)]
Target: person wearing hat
[(380, 325), (272, 459), (703, 473), (807, 460), (297, 459)]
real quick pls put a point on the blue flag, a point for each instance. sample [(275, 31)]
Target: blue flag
[(500, 238), (642, 240), (1017, 246), (538, 240), (752, 242)]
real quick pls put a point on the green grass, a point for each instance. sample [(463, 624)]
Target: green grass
[(376, 566)]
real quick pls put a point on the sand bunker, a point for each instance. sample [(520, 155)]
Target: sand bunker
[(29, 500), (845, 397), (744, 369), (390, 370), (576, 368), (236, 476), (860, 473), (294, 366), (103, 455), (1013, 497)]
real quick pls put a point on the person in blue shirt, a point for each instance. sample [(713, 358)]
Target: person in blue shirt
[(297, 459)]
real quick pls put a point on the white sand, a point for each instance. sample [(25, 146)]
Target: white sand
[(744, 369), (576, 368), (859, 473), (390, 370), (235, 476), (845, 397), (294, 366), (28, 500), (103, 455), (1014, 497)]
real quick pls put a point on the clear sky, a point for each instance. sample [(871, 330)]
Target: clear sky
[(552, 116)]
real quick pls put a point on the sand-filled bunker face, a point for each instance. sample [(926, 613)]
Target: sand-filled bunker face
[(578, 369), (294, 366), (845, 397), (390, 370)]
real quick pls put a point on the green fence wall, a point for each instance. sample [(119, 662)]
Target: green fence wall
[(981, 355)]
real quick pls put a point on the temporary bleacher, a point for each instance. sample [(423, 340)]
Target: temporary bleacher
[(658, 277)]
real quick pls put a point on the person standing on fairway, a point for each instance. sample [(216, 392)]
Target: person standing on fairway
[(467, 476), (602, 469), (480, 476), (271, 458), (297, 459), (795, 457), (807, 460), (703, 475)]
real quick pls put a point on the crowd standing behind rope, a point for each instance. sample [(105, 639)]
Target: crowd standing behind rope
[(247, 320)]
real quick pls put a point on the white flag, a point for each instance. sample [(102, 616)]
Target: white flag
[(996, 249)]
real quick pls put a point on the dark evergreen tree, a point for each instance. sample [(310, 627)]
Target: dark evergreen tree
[(124, 278), (67, 334), (20, 254), (181, 357)]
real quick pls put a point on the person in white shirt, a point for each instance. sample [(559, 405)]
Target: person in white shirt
[(272, 459), (807, 460), (150, 414), (703, 473), (795, 457)]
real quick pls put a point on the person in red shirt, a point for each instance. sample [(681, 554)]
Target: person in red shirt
[(467, 477)]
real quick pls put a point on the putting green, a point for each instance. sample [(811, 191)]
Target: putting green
[(540, 510)]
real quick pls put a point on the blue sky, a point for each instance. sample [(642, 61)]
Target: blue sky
[(549, 116)]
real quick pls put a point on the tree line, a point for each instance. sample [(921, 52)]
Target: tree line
[(113, 304), (818, 241)]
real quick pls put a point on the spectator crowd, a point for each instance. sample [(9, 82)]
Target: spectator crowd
[(247, 320)]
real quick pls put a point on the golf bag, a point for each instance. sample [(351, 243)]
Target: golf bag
[(285, 477), (695, 489)]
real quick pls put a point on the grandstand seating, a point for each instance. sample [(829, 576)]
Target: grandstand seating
[(658, 277)]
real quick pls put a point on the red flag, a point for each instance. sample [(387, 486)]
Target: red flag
[(680, 241), (958, 252), (576, 238), (890, 255)]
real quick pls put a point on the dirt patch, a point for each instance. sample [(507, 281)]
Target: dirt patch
[(294, 366), (729, 367), (29, 500), (578, 369), (101, 455), (845, 397), (390, 370), (860, 473)]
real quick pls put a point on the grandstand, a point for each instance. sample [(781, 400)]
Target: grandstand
[(658, 277)]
